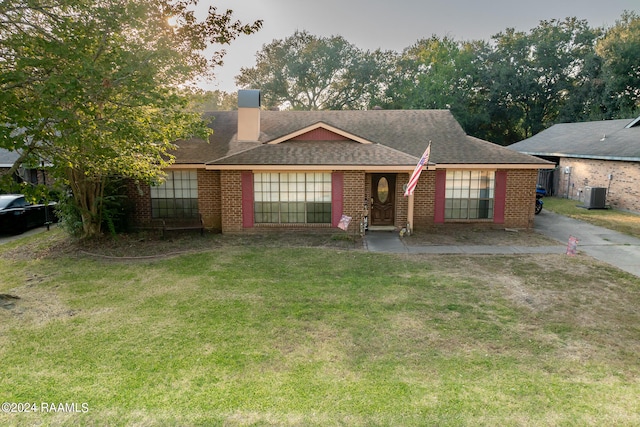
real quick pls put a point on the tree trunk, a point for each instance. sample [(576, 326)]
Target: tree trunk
[(87, 194)]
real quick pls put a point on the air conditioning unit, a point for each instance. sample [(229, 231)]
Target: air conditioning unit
[(595, 197)]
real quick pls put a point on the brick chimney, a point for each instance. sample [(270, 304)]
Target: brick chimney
[(248, 115)]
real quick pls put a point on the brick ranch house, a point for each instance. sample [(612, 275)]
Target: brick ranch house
[(604, 154), (305, 169)]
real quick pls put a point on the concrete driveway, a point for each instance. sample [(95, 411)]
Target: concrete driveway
[(617, 249)]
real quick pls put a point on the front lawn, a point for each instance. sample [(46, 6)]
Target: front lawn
[(251, 334)]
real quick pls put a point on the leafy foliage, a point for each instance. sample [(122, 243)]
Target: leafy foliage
[(504, 90), (534, 74), (620, 53), (203, 101), (92, 86), (314, 73)]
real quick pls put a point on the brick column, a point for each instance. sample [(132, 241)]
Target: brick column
[(209, 200), (231, 201)]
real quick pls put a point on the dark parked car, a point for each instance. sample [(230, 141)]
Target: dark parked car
[(17, 215)]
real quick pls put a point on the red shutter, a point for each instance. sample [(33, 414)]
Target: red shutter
[(247, 200), (500, 197), (337, 194), (441, 186)]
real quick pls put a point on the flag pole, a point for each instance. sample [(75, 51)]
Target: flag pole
[(413, 182), (410, 215)]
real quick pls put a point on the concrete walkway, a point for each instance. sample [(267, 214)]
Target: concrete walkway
[(390, 242), (614, 248)]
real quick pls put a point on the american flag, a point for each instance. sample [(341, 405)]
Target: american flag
[(413, 181)]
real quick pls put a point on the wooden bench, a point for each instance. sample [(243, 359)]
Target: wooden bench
[(175, 224)]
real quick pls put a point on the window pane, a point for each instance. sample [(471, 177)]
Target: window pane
[(469, 194), (294, 197), (177, 196)]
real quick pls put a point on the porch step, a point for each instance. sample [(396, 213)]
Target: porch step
[(382, 228)]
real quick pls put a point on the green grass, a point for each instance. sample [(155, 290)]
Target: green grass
[(244, 335), (624, 222)]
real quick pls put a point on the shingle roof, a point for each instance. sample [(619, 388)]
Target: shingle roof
[(7, 158), (606, 140), (398, 137), (339, 153)]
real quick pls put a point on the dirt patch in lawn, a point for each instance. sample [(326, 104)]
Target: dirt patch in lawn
[(150, 244), (31, 305)]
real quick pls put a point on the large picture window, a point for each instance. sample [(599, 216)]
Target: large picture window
[(469, 195), (289, 198), (177, 197)]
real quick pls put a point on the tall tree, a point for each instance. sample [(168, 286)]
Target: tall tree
[(426, 75), (620, 52), (563, 54), (92, 86), (202, 101), (533, 75), (441, 74), (307, 72)]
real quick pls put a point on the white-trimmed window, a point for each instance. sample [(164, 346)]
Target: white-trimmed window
[(469, 194), (177, 197), (289, 198)]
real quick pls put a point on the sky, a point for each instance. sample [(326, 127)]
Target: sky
[(395, 24)]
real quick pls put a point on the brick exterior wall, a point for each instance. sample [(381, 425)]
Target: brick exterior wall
[(220, 200), (402, 203), (140, 198), (623, 190), (353, 197), (231, 201), (520, 205), (423, 199), (209, 199)]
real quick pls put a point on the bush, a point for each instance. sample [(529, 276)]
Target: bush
[(69, 215)]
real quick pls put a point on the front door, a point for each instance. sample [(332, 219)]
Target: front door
[(383, 191)]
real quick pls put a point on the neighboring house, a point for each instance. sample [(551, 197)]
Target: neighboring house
[(7, 159), (305, 169), (30, 175), (602, 154)]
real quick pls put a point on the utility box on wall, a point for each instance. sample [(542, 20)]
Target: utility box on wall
[(595, 197)]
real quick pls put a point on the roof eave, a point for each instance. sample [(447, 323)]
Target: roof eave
[(546, 165), (186, 166), (380, 168), (584, 156)]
